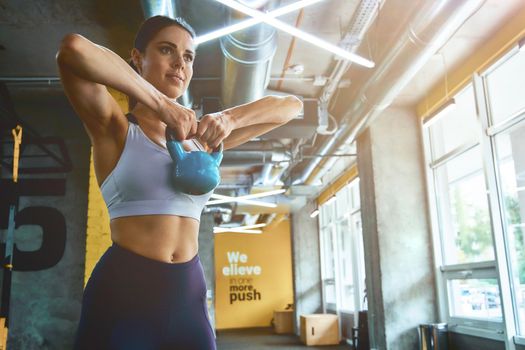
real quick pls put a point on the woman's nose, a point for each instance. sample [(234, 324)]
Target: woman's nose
[(178, 61)]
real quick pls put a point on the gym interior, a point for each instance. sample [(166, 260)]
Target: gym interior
[(388, 215)]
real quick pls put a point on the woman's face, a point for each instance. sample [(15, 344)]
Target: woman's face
[(168, 61)]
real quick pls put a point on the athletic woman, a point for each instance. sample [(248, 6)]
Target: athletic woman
[(148, 291)]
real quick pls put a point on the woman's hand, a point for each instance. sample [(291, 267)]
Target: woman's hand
[(178, 118), (213, 128)]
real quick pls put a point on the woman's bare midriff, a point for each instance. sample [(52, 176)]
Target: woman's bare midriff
[(166, 238)]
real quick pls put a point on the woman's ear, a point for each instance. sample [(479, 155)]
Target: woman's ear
[(136, 57)]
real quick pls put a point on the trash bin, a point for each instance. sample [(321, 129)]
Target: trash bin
[(433, 336)]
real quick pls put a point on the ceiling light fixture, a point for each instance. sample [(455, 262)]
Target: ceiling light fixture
[(295, 69), (440, 113), (239, 229), (521, 44), (314, 213), (229, 199), (298, 33), (234, 230), (330, 200), (253, 21)]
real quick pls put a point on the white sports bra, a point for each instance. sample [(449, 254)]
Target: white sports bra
[(140, 183)]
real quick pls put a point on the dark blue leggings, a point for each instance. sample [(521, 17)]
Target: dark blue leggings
[(132, 302)]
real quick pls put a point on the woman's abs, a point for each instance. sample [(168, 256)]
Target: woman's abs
[(167, 238)]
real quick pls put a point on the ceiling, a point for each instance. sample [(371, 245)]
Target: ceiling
[(31, 30)]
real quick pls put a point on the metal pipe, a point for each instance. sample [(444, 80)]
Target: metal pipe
[(361, 21), (249, 158), (247, 60), (431, 27), (29, 79), (263, 145), (56, 80), (165, 8)]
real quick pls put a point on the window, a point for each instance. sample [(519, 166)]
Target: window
[(467, 260), (459, 128), (506, 88), (342, 259), (505, 95), (477, 188), (510, 147), (327, 218), (463, 207)]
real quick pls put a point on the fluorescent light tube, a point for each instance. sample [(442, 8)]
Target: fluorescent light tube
[(228, 199), (330, 200), (239, 229), (314, 213), (298, 33), (241, 200), (440, 113), (253, 21), (235, 230)]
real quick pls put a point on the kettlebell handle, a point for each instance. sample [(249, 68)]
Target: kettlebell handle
[(170, 136)]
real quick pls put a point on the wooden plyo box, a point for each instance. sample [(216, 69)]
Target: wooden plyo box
[(3, 334), (283, 321), (320, 329)]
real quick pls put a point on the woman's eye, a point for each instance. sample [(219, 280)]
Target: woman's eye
[(189, 58), (165, 49)]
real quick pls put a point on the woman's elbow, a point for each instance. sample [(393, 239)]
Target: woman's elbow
[(69, 46), (295, 106)]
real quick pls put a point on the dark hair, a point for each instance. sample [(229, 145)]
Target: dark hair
[(148, 29)]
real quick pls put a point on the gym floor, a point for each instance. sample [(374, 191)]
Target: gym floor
[(264, 339)]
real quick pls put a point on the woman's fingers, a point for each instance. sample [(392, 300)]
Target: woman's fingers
[(207, 134), (182, 120), (213, 129), (194, 127)]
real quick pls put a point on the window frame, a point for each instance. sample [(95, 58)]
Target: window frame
[(495, 206), (501, 267), (447, 273), (331, 227)]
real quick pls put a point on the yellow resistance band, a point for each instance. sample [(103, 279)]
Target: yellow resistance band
[(17, 137)]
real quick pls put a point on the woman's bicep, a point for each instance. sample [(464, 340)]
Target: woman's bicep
[(242, 135)]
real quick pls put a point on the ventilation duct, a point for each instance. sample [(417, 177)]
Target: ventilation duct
[(247, 60), (430, 28)]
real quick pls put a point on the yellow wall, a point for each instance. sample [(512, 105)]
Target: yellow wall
[(270, 251), (338, 184), (98, 237)]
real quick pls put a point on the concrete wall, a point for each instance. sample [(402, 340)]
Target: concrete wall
[(47, 280), (396, 232), (306, 263)]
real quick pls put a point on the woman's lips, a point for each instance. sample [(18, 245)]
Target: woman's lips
[(176, 79)]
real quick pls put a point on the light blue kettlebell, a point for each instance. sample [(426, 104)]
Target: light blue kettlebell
[(195, 172)]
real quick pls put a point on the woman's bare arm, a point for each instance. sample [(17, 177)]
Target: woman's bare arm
[(87, 68), (242, 123)]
